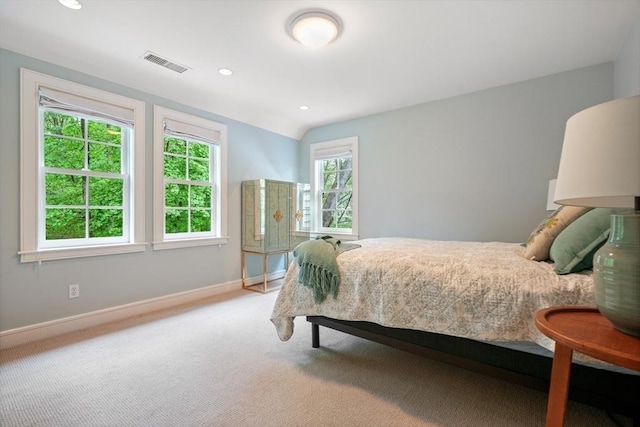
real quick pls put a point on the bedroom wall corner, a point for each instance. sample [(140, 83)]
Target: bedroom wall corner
[(474, 167)]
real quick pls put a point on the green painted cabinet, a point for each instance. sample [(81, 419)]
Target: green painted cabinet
[(275, 219), (275, 215)]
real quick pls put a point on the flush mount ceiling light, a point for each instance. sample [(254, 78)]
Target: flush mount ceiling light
[(225, 71), (315, 28), (71, 4)]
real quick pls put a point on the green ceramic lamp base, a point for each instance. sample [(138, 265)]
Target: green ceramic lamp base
[(616, 273)]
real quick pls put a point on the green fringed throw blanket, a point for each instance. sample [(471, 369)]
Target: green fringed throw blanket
[(317, 265)]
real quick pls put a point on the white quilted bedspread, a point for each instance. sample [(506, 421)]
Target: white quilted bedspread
[(478, 290)]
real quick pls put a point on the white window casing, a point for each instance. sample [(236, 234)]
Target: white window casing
[(185, 126), (40, 90), (335, 149)]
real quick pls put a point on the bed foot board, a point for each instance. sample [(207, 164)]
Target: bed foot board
[(315, 335)]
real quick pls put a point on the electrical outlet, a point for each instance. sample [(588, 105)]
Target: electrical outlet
[(74, 291)]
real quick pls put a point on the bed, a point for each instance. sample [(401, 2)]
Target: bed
[(471, 304)]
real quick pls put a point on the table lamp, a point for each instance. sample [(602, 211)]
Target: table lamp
[(551, 196), (600, 167)]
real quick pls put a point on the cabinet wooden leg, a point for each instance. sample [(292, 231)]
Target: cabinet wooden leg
[(559, 387), (258, 287), (243, 270), (264, 274)]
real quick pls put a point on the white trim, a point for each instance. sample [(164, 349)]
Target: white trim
[(188, 243), (256, 280), (316, 152), (80, 252), (30, 81), (218, 236), (17, 336), (337, 235)]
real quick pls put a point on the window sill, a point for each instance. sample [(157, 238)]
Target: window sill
[(341, 236), (80, 252), (189, 243)]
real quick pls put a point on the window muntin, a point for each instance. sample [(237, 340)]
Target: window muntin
[(189, 180), (189, 186), (336, 192), (84, 176), (334, 185), (68, 161)]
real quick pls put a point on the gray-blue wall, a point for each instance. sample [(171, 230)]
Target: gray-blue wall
[(474, 167), (32, 293), (477, 166)]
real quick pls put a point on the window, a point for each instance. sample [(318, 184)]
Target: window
[(334, 184), (189, 180), (82, 170)]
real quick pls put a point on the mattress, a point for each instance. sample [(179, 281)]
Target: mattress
[(480, 290)]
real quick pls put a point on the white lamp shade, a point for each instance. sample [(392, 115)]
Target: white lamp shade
[(600, 161), (551, 195)]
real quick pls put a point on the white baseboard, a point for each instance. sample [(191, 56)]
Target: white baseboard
[(25, 334), (250, 281)]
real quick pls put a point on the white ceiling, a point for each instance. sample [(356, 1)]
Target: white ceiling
[(391, 54)]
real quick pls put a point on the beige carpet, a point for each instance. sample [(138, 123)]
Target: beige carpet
[(220, 363)]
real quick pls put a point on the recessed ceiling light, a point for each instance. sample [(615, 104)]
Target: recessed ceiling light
[(304, 107), (71, 4), (225, 71), (315, 29)]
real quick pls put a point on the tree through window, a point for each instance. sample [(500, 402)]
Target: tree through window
[(335, 186), (82, 170), (84, 179), (189, 180), (188, 185), (337, 192)]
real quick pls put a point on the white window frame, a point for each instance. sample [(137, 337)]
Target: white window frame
[(32, 160), (320, 149), (218, 234)]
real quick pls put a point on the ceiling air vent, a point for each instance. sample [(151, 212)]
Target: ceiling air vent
[(152, 57)]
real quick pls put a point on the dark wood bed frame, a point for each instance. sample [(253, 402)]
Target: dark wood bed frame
[(615, 392)]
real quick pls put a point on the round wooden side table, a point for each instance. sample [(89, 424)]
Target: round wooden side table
[(585, 330)]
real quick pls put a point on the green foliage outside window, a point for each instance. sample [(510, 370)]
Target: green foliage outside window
[(188, 204), (79, 203), (336, 193)]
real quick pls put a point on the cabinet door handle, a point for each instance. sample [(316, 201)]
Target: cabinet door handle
[(278, 215)]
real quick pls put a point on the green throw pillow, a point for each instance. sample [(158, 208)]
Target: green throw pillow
[(573, 249)]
